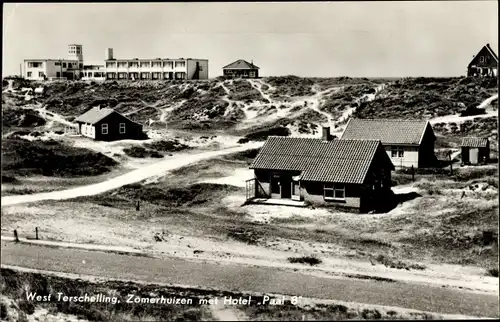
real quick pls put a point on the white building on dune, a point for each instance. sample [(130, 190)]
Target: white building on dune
[(155, 69), (73, 68)]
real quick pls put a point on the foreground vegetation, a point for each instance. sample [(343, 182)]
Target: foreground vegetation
[(14, 305)]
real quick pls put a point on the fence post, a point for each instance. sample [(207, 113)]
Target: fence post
[(36, 233), (412, 173), (138, 206), (16, 238)]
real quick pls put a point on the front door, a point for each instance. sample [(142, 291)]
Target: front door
[(286, 188), (275, 186), (295, 190), (474, 152)]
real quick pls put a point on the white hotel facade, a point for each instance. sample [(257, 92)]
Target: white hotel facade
[(115, 69)]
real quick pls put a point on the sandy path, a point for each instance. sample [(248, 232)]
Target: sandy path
[(456, 118), (128, 178)]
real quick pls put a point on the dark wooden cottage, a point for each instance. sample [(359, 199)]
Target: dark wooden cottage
[(346, 173), (105, 124), (407, 142), (475, 150), (484, 64), (241, 68)]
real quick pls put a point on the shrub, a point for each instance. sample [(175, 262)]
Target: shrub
[(493, 272), (311, 260), (262, 135)]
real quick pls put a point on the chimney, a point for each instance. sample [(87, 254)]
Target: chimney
[(325, 134)]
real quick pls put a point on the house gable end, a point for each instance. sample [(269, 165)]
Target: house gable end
[(484, 52)]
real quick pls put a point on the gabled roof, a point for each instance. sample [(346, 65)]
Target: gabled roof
[(388, 131), (94, 115), (474, 142), (241, 64), (343, 161), (489, 50)]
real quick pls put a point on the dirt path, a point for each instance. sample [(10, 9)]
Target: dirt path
[(456, 118), (128, 178)]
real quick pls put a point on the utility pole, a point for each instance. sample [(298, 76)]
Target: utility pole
[(21, 70)]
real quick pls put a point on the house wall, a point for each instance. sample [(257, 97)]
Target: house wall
[(313, 192), (410, 156), (50, 69), (426, 157), (475, 155), (191, 68), (87, 130), (244, 73), (132, 130)]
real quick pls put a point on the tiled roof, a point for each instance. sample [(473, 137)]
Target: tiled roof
[(345, 161), (388, 131), (94, 115), (240, 64), (473, 142)]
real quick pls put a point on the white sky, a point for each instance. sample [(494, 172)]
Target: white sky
[(324, 39)]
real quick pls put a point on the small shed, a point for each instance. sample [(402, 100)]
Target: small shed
[(475, 150)]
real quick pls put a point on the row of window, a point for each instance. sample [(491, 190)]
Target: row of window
[(94, 74), (35, 64), (147, 75), (168, 64), (70, 65), (397, 152), (40, 74), (104, 128)]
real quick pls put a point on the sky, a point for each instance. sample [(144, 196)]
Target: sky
[(309, 39)]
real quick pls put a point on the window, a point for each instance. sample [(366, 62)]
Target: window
[(334, 191), (111, 64), (64, 65), (145, 64), (58, 74), (57, 63), (122, 128), (180, 64), (104, 128), (29, 74), (34, 64), (168, 64), (122, 64), (481, 59), (40, 74), (81, 65), (397, 152), (133, 64)]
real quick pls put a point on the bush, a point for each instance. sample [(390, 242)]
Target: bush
[(493, 272), (140, 152), (167, 146), (262, 135), (311, 260), (51, 159)]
